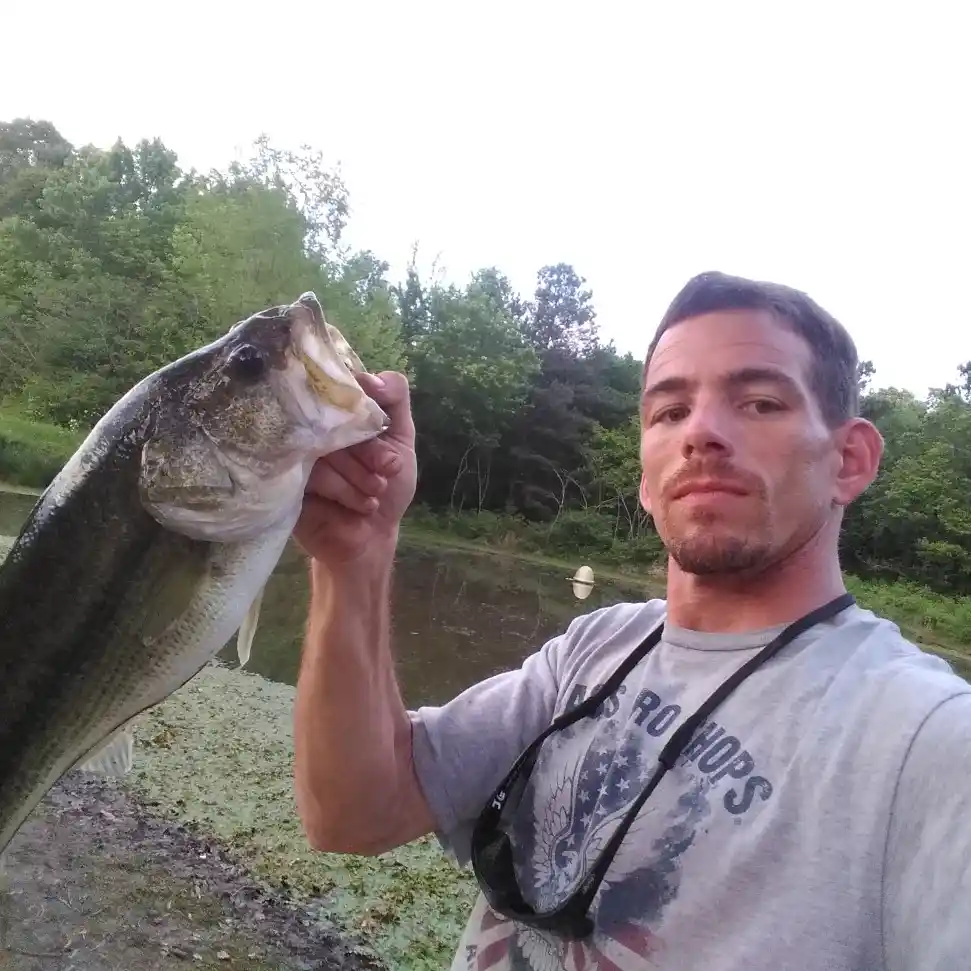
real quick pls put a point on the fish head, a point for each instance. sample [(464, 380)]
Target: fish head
[(292, 389), (240, 425)]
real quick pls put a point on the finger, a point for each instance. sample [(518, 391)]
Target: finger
[(322, 515), (376, 455), (355, 472), (326, 482), (390, 390)]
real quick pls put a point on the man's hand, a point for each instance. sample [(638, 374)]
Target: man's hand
[(356, 497)]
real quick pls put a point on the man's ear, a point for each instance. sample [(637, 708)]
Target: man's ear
[(643, 496), (861, 449)]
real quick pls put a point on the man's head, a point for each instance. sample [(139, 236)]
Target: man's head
[(751, 441)]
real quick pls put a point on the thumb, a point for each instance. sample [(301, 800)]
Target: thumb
[(391, 391)]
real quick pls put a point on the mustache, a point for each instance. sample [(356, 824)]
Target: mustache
[(719, 472)]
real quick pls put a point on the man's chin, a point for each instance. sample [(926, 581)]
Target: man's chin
[(718, 556)]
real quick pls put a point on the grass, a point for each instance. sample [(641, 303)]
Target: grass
[(32, 452), (937, 622)]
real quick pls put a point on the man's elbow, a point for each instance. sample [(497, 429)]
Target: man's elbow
[(328, 840), (332, 829)]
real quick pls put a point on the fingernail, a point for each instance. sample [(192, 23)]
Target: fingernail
[(378, 383)]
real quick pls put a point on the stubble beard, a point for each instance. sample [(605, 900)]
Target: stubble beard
[(711, 549), (727, 555)]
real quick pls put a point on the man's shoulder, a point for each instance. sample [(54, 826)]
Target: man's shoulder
[(623, 620), (606, 632), (873, 648), (898, 675)]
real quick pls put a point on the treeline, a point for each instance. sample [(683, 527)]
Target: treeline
[(116, 260)]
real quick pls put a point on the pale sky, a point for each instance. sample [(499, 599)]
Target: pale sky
[(824, 145)]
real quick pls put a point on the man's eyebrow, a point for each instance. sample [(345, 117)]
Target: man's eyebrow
[(666, 386), (741, 376), (763, 375)]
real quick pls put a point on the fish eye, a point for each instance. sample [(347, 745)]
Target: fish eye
[(247, 362)]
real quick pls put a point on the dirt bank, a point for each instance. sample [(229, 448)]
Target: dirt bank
[(96, 883)]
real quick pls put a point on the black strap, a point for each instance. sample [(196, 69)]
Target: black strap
[(584, 708), (680, 739), (591, 704), (686, 730)]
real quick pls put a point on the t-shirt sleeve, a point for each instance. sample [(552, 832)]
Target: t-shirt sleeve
[(463, 749), (927, 888)]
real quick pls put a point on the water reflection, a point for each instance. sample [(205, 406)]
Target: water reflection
[(14, 509), (457, 616)]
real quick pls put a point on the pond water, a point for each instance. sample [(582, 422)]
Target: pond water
[(457, 616)]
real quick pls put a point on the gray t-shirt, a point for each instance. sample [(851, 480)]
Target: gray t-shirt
[(821, 818)]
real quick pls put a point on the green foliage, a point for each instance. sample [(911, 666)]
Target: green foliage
[(114, 261), (472, 370), (32, 453), (922, 613), (576, 535), (914, 522)]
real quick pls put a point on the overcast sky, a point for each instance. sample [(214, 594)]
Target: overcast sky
[(824, 145)]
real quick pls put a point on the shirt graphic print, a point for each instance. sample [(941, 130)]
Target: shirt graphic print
[(585, 780)]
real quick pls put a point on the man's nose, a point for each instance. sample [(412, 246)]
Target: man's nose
[(708, 428)]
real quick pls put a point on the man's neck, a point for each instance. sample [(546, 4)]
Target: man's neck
[(804, 580)]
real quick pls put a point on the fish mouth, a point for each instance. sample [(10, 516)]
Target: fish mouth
[(315, 350), (325, 387), (329, 364)]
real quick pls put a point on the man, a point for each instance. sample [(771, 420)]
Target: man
[(815, 814)]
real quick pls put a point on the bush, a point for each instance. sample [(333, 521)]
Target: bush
[(579, 531), (918, 610), (575, 535), (33, 452)]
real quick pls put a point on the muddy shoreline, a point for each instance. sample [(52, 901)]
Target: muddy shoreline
[(96, 881)]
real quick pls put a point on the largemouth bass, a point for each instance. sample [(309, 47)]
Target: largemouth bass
[(152, 546)]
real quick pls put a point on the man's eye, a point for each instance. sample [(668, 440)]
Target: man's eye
[(763, 406), (674, 413)]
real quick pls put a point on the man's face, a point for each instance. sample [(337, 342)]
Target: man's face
[(738, 466)]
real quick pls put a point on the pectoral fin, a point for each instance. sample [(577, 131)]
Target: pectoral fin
[(247, 630), (115, 756)]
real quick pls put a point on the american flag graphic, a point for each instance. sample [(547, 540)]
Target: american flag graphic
[(573, 816)]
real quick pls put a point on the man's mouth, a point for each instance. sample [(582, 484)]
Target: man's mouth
[(702, 486)]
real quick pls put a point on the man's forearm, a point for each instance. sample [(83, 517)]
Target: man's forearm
[(355, 784)]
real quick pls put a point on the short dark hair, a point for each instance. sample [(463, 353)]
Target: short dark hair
[(834, 376)]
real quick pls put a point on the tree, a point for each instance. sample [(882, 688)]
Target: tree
[(318, 194), (561, 316), (472, 369)]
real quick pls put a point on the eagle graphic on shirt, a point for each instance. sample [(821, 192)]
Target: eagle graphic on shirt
[(573, 819)]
